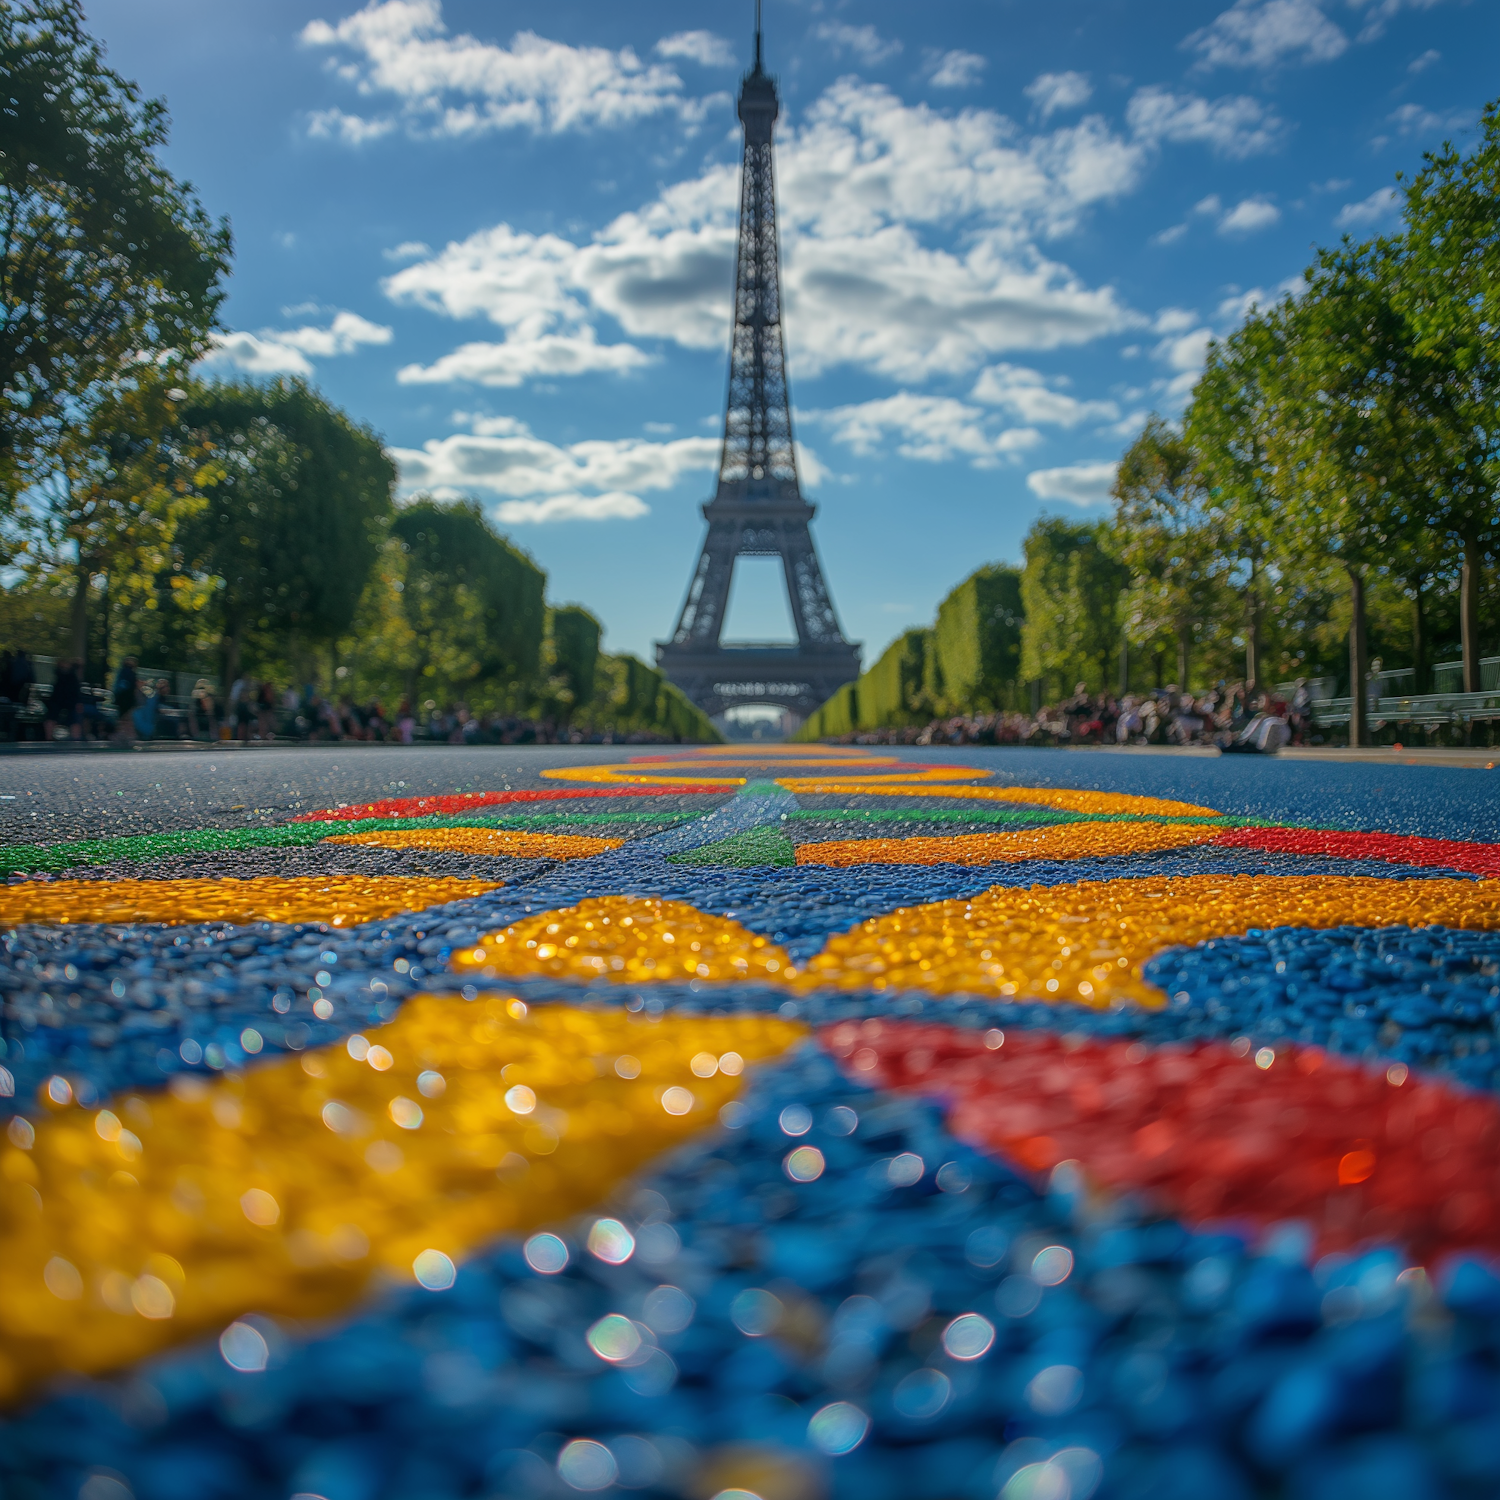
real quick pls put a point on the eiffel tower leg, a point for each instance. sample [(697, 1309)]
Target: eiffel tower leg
[(702, 619)]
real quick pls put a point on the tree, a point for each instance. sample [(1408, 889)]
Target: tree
[(1348, 419), (107, 262), (1447, 284), (1070, 588), (975, 643), (119, 481), (573, 648), (472, 601), (1165, 539), (296, 498), (1228, 425)]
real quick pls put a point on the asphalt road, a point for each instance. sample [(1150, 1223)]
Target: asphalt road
[(45, 798)]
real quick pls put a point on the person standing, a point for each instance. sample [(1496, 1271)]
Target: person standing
[(62, 702), (204, 711), (126, 698)]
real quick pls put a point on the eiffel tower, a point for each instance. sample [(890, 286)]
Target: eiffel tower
[(758, 510)]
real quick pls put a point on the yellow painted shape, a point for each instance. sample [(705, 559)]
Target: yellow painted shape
[(628, 939), (339, 900), (1062, 798), (216, 1199), (910, 783), (1059, 841), (768, 755), (1088, 942), (502, 841), (616, 775)]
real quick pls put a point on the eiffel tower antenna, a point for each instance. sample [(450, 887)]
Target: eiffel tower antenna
[(758, 509)]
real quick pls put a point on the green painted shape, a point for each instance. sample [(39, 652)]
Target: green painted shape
[(1048, 816), (768, 845), (932, 815), (30, 859), (761, 789)]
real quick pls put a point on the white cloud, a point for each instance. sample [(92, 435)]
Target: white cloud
[(698, 46), (1235, 308), (520, 359), (953, 70), (1263, 33), (408, 250), (1078, 484), (615, 506), (1173, 320), (350, 130), (863, 41), (502, 456), (1414, 119), (290, 351), (859, 180), (254, 356), (1210, 205), (1381, 205), (932, 428), (1381, 11), (1027, 394), (1050, 92), (1169, 235), (1182, 353), (1425, 61), (460, 86), (1234, 126), (1250, 215)]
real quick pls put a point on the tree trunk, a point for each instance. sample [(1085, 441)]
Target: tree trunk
[(1419, 632), (1468, 614), (79, 617), (105, 639), (1184, 647), (1252, 631), (1124, 665), (231, 659), (1159, 670), (1359, 703)]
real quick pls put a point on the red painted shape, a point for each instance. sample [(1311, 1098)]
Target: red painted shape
[(1400, 849), (459, 802), (1207, 1134)]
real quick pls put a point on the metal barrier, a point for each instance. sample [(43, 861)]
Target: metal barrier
[(1424, 709)]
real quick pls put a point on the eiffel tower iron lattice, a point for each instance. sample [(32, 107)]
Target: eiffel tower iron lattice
[(758, 509)]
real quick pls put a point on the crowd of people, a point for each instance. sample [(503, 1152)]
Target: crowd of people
[(141, 706), (1233, 717)]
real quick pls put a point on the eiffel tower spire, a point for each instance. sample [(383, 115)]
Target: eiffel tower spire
[(758, 509)]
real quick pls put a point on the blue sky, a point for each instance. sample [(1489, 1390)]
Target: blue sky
[(503, 236)]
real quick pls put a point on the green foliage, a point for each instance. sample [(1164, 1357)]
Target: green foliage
[(974, 648), (1446, 284), (893, 690), (472, 601), (1071, 588), (572, 656), (297, 497), (840, 715), (1165, 538), (107, 262)]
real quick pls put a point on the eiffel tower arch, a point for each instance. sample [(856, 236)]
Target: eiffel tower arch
[(758, 509)]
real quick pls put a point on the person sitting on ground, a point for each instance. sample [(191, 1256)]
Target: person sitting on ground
[(1265, 734), (1130, 722), (1187, 723), (1299, 711)]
